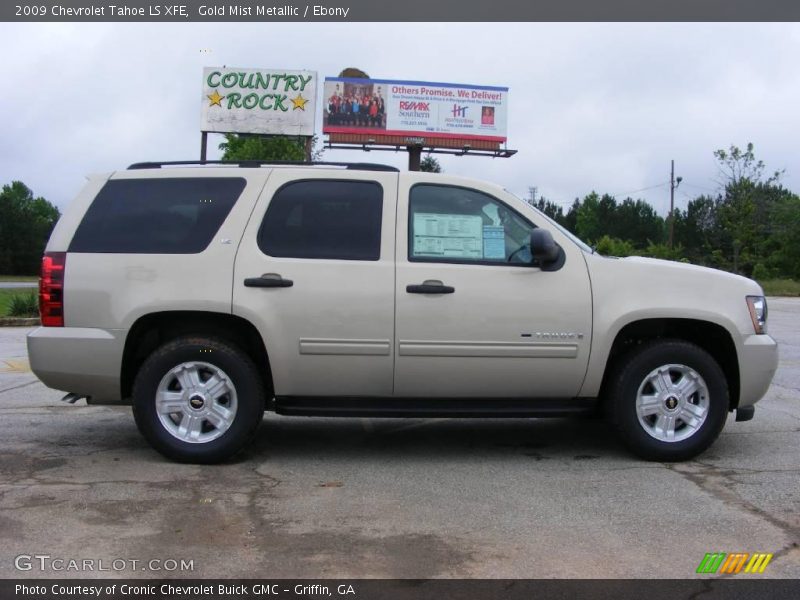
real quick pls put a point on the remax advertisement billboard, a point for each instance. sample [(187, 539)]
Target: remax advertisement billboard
[(408, 108)]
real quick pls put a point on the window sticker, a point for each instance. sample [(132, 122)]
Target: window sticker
[(494, 242), (452, 236)]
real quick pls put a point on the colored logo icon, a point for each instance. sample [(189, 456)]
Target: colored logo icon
[(735, 562)]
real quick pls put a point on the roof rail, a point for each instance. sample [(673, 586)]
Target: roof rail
[(250, 164)]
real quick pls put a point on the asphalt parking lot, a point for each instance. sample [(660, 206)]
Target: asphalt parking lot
[(395, 498)]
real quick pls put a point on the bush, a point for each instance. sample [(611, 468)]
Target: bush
[(608, 246), (762, 272), (23, 305), (663, 251)]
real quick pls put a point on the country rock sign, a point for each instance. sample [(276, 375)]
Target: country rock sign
[(258, 101), (280, 82)]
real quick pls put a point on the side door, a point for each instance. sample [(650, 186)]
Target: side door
[(315, 274), (474, 316)]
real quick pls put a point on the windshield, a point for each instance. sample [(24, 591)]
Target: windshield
[(578, 242)]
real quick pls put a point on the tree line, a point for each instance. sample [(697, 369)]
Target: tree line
[(750, 226), (25, 225)]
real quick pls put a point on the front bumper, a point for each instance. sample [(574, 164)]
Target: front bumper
[(83, 360), (758, 360)]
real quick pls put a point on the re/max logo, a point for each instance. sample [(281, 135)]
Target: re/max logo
[(418, 106), (720, 562)]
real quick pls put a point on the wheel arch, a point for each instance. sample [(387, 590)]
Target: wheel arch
[(711, 337), (153, 329)]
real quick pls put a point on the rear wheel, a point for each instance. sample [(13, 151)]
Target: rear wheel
[(669, 400), (198, 399)]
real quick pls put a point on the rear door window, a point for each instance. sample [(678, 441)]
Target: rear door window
[(157, 216), (325, 219)]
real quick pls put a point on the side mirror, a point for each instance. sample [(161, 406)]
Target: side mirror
[(543, 247)]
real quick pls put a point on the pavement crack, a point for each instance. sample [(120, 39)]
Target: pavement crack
[(17, 387), (785, 550), (635, 468), (719, 484), (264, 480)]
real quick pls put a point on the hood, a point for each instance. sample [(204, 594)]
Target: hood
[(662, 266), (641, 288)]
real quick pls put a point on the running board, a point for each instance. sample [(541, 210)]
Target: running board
[(498, 408)]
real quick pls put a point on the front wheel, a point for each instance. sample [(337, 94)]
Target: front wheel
[(198, 399), (669, 400)]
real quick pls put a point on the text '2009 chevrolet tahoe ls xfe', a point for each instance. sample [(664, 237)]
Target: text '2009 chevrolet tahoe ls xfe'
[(204, 295)]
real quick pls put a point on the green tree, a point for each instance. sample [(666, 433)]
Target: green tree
[(263, 147), (781, 251), (551, 209), (570, 221), (25, 224), (736, 165), (353, 73), (745, 205), (429, 164), (638, 222), (595, 216), (699, 233), (587, 220)]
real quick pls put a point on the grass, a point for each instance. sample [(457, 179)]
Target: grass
[(780, 287), (7, 299), (17, 278)]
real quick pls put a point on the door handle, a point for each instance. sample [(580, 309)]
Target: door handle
[(268, 280), (431, 286)]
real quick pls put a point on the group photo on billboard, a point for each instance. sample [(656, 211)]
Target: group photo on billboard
[(447, 110), (355, 103)]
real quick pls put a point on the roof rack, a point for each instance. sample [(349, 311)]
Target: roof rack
[(251, 164)]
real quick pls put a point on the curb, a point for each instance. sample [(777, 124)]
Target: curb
[(19, 322)]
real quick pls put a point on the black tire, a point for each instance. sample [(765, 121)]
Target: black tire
[(630, 374), (240, 370)]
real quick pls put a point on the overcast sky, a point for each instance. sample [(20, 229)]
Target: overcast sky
[(592, 106)]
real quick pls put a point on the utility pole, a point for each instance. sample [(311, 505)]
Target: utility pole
[(414, 157), (673, 184), (532, 195), (671, 204)]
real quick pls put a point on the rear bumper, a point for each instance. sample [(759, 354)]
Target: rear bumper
[(83, 360), (758, 360)]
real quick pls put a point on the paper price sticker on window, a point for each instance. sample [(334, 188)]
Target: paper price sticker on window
[(455, 236), (494, 242)]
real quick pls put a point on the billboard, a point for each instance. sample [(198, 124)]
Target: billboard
[(386, 109), (265, 101)]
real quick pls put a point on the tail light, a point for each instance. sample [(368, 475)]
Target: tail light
[(51, 289)]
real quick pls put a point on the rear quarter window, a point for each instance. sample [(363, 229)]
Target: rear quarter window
[(157, 216)]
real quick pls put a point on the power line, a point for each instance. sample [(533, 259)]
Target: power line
[(652, 187), (699, 187)]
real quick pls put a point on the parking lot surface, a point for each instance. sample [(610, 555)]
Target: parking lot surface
[(523, 498)]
